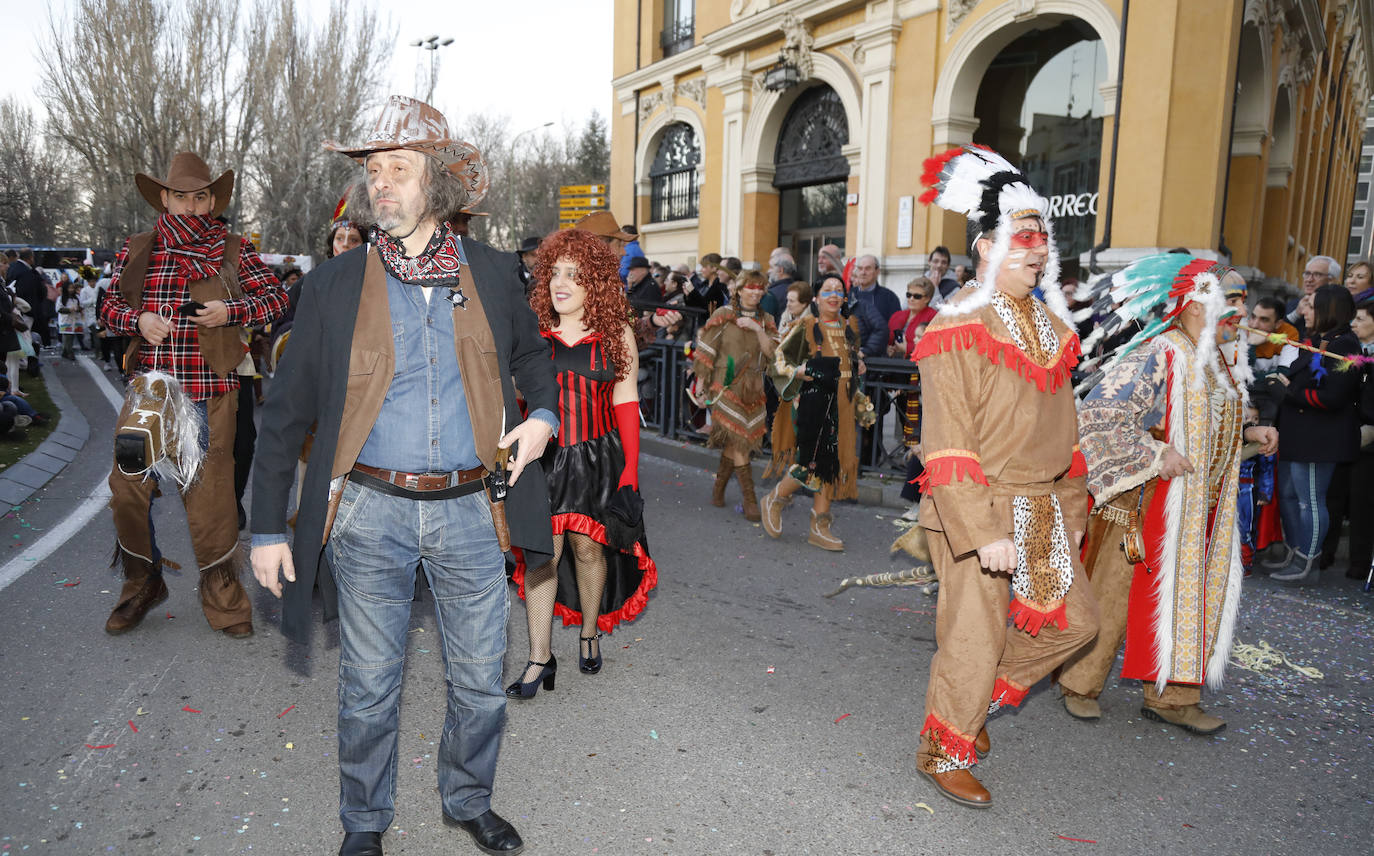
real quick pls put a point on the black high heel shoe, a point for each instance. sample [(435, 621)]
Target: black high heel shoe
[(589, 665), (527, 689)]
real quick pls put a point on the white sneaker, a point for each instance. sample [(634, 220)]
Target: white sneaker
[(22, 421)]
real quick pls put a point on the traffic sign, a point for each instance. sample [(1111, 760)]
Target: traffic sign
[(590, 202), (575, 213), (581, 189)]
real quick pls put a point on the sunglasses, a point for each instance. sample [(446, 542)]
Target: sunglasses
[(914, 295), (831, 294)]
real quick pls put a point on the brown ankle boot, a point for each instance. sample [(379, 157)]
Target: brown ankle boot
[(143, 589), (745, 474), (820, 533), (722, 479)]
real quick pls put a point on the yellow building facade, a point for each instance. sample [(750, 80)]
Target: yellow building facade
[(748, 124)]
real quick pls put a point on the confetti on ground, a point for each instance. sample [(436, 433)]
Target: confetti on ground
[(75, 582), (134, 727), (926, 807), (653, 734), (770, 670), (140, 712), (101, 746), (285, 712), (291, 746), (1079, 840), (190, 709), (843, 716), (1264, 657)]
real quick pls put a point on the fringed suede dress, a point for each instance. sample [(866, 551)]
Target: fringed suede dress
[(730, 361), (583, 471)]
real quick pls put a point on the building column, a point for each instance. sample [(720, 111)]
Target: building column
[(878, 42), (1174, 124), (735, 86)]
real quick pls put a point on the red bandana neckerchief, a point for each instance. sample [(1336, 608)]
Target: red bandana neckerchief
[(437, 265), (197, 243)]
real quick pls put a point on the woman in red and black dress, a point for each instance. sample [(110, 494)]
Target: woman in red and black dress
[(601, 572)]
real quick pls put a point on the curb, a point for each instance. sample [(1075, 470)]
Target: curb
[(37, 468), (871, 491)]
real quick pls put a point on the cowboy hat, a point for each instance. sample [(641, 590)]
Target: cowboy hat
[(188, 173), (530, 244), (406, 123), (602, 224)]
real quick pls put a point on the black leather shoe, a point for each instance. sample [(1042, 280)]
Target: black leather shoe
[(361, 844), (491, 833)]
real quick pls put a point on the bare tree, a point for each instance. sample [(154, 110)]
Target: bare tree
[(212, 76), (35, 184)]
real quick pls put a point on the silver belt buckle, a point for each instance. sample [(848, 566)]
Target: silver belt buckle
[(412, 481)]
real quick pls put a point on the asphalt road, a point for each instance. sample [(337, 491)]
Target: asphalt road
[(742, 713)]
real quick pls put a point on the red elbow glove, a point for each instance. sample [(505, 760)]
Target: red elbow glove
[(627, 424)]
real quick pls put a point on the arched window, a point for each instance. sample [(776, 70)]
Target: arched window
[(809, 144), (673, 175)]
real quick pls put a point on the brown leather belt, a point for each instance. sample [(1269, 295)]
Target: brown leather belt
[(423, 482)]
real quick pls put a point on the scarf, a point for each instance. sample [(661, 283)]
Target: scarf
[(195, 242), (437, 265)]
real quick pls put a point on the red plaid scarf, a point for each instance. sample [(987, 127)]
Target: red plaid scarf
[(197, 243), (437, 265)]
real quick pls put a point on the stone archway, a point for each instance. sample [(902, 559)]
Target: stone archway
[(952, 118)]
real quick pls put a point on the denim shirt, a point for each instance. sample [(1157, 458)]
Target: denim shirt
[(423, 425)]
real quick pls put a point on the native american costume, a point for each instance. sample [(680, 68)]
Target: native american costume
[(998, 436), (730, 363), (814, 440), (1164, 555)]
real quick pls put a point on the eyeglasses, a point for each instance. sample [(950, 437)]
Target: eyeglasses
[(916, 295)]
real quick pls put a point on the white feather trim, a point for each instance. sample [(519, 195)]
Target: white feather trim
[(1173, 515), (1221, 648)]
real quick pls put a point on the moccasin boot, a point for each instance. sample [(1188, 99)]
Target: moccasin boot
[(1280, 556), (745, 474), (771, 508), (1190, 718), (820, 533), (1081, 706), (143, 589), (1303, 571), (722, 479), (982, 744), (962, 787)]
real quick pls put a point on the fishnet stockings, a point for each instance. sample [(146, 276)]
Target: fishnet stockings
[(541, 590)]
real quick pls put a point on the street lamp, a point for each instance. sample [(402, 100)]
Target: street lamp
[(431, 44), (510, 174)]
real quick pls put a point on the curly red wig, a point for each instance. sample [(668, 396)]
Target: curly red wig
[(598, 271)]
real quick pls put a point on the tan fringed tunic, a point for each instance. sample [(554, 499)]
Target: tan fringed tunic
[(730, 364)]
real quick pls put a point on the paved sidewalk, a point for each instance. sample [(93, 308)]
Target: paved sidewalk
[(20, 481)]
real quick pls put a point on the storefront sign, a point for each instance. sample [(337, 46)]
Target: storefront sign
[(1073, 205)]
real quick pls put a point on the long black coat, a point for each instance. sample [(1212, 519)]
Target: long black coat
[(311, 385), (1319, 420)]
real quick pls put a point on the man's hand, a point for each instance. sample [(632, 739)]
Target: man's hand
[(267, 561), (533, 435), (1267, 436), (1173, 465), (153, 328), (999, 556), (215, 314)]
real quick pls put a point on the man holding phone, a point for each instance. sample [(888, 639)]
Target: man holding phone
[(182, 292)]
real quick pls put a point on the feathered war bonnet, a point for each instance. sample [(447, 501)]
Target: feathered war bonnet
[(1158, 287), (977, 182)]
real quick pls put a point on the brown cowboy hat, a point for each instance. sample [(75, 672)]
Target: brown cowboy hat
[(187, 173), (603, 224), (406, 123)]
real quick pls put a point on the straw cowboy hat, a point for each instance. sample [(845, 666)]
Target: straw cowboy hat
[(406, 123), (188, 173)]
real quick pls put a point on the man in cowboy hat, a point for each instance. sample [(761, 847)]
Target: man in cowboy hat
[(404, 355), (182, 292)]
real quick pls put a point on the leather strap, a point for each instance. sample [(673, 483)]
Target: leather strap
[(423, 482)]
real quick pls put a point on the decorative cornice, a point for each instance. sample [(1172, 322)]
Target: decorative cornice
[(956, 11)]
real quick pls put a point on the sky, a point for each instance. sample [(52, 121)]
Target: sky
[(532, 60)]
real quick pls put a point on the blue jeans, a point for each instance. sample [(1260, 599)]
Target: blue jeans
[(375, 545), (1302, 503)]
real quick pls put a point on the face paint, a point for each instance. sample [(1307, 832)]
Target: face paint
[(1014, 259), (1029, 239)]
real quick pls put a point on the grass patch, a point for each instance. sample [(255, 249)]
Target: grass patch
[(20, 441)]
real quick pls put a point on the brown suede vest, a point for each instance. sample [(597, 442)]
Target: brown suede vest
[(221, 347)]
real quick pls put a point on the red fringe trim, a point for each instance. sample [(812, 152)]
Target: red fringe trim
[(1008, 693), (1079, 468), (967, 337), (630, 610), (1032, 618), (941, 471), (953, 743)]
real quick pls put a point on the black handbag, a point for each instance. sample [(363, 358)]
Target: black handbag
[(625, 519)]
